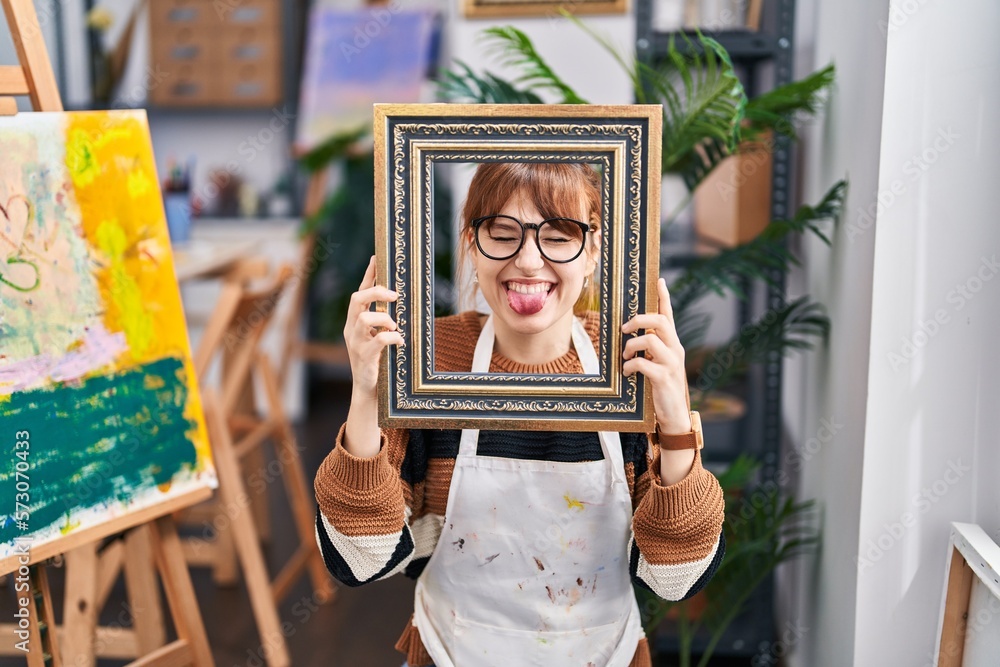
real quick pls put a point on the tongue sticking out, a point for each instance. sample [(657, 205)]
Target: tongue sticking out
[(526, 304)]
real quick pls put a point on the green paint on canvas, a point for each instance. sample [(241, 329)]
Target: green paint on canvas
[(96, 444)]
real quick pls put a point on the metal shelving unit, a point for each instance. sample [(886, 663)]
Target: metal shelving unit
[(759, 431)]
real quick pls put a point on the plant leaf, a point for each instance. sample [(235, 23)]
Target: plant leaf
[(776, 109), (512, 48), (333, 148), (795, 326)]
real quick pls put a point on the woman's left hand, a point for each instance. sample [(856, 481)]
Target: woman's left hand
[(662, 363)]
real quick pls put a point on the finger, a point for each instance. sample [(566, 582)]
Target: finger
[(650, 344), (369, 279), (387, 338), (362, 300), (666, 308), (649, 321), (370, 319), (644, 366)]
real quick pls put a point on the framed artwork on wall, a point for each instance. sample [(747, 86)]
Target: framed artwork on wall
[(515, 8)]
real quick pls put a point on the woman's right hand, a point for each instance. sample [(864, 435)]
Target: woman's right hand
[(367, 333)]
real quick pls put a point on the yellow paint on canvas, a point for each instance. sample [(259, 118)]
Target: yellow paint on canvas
[(111, 165)]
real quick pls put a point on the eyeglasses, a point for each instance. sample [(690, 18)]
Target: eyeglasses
[(559, 240)]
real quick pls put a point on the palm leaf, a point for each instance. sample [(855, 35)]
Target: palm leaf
[(333, 148), (703, 101), (703, 104), (467, 86), (776, 109), (795, 326), (512, 48), (757, 258)]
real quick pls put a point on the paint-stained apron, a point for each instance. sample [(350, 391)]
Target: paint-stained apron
[(531, 568)]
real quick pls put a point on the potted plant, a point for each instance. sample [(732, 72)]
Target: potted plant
[(707, 120)]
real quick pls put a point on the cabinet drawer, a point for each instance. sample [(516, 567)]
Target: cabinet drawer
[(187, 85), (243, 13), (236, 52), (174, 46), (166, 14), (251, 84)]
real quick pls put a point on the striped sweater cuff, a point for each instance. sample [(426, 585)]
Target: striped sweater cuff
[(357, 473), (360, 496), (679, 523), (664, 502)]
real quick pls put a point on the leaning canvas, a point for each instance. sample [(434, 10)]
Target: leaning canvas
[(100, 414)]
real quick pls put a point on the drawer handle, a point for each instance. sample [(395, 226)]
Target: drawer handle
[(248, 52), (247, 15), (183, 15), (185, 52), (249, 89)]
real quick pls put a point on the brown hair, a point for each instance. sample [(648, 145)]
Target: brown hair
[(557, 189)]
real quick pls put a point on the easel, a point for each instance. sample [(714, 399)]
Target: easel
[(150, 544), (234, 332)]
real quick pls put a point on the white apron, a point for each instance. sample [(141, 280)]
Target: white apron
[(532, 565)]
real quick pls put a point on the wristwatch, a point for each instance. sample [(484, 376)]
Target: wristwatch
[(691, 440)]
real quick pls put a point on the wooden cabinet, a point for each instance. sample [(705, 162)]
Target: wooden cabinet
[(216, 53)]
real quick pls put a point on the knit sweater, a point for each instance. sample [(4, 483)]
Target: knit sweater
[(383, 515)]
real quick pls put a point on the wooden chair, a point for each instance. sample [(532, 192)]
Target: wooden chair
[(237, 433)]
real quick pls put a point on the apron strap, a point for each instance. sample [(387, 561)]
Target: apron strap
[(610, 440)]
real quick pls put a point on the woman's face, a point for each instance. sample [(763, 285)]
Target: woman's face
[(527, 293)]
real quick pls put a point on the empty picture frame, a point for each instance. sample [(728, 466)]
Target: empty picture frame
[(411, 142), (969, 620)]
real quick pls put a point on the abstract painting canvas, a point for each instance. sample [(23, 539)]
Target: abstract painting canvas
[(100, 414), (354, 58)]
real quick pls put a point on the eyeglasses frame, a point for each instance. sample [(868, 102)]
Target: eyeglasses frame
[(584, 227)]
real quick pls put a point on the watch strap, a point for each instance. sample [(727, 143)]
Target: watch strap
[(691, 440)]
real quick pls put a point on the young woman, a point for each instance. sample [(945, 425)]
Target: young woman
[(524, 544)]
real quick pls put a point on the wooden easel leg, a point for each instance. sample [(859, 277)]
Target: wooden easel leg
[(80, 615), (180, 593), (254, 463), (43, 649), (299, 497), (234, 495), (143, 591), (244, 403), (224, 569)]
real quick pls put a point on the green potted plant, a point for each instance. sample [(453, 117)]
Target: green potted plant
[(707, 119)]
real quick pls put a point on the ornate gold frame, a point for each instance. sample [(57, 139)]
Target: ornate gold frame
[(409, 140), (478, 9)]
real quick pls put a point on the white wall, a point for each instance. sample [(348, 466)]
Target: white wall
[(917, 437), (933, 428), (817, 596)]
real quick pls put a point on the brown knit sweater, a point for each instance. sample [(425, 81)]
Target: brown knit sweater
[(383, 515)]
